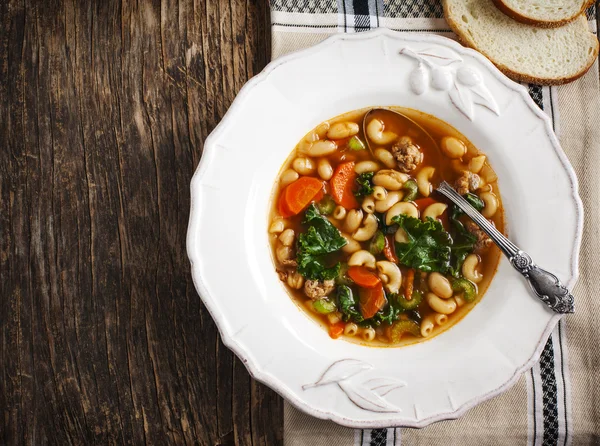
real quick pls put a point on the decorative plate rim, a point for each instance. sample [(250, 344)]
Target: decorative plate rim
[(194, 219)]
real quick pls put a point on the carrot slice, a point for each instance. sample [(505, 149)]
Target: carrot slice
[(363, 277), (282, 206), (371, 300), (299, 194), (409, 284), (389, 249), (422, 203), (336, 330), (342, 184)]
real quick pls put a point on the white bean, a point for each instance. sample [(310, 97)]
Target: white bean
[(366, 166), (390, 179), (287, 237), (453, 147), (386, 157), (288, 176), (283, 253), (341, 130), (321, 130), (307, 141), (277, 226), (304, 166), (439, 285), (324, 169), (321, 148)]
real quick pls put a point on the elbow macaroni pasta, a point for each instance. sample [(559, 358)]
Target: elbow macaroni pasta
[(423, 182), (444, 306)]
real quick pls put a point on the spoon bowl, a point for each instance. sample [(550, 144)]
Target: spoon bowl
[(406, 122)]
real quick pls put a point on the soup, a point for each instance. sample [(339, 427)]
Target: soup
[(362, 242)]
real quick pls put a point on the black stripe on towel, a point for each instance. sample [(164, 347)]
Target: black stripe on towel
[(362, 21), (378, 437), (416, 9), (361, 7), (549, 397), (536, 93), (562, 369)]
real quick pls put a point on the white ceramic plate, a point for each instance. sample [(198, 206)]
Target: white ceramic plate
[(228, 246)]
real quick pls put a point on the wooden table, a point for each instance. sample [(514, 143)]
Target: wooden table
[(104, 107)]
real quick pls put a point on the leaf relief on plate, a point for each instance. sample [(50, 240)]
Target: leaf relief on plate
[(365, 392)]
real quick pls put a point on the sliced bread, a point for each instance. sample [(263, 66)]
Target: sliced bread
[(523, 52), (545, 14)]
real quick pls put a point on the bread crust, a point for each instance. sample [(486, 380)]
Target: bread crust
[(515, 75), (539, 23)]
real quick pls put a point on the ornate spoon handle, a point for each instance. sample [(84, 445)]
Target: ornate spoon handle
[(543, 283)]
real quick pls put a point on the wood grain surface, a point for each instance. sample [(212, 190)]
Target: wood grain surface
[(104, 107)]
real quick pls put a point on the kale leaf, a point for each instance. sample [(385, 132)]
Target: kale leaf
[(387, 315), (429, 246), (365, 186), (473, 200), (320, 239), (347, 304)]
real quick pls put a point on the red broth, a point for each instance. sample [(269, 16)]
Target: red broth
[(400, 277)]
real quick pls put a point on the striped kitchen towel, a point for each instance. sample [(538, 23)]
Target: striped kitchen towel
[(558, 401)]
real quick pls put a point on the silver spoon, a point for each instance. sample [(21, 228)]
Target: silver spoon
[(543, 283), (400, 117)]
